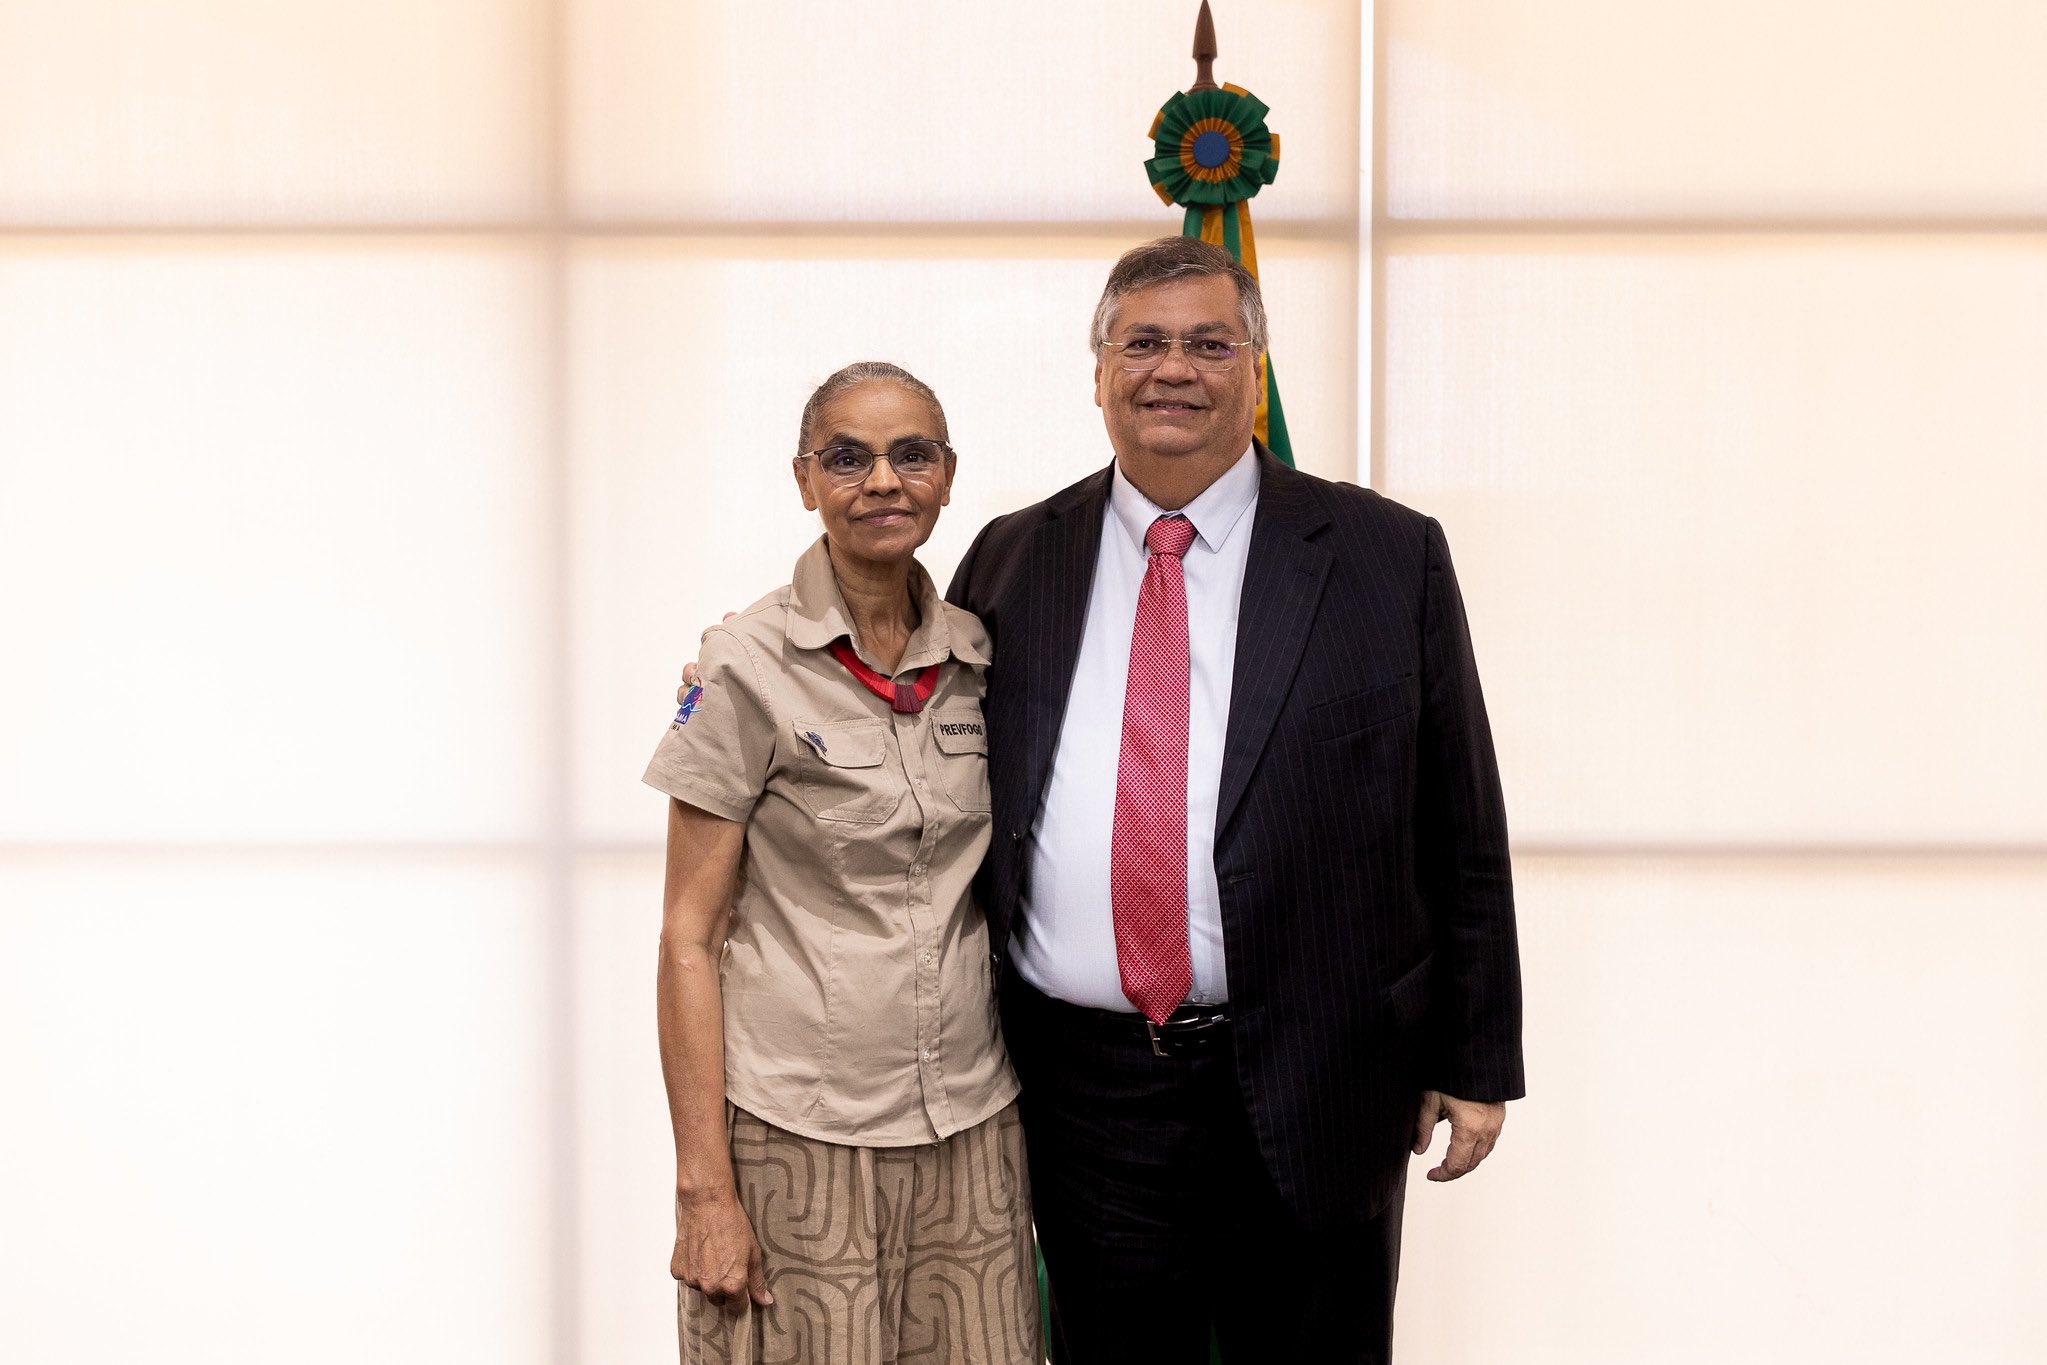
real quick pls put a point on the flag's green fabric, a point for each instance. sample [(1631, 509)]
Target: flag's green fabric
[(1211, 151), (1044, 1307)]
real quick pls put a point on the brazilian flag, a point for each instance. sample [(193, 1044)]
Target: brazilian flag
[(1211, 152)]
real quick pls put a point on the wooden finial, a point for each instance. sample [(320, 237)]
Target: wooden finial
[(1204, 50)]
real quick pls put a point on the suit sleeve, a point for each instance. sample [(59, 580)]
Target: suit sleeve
[(1462, 860)]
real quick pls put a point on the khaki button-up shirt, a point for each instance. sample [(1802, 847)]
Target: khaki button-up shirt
[(859, 1002)]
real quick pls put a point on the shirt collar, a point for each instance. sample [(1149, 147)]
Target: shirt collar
[(1215, 513), (818, 615)]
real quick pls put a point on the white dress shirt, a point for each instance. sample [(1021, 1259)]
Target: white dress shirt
[(1065, 942)]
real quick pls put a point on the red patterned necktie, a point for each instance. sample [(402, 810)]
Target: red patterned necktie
[(1148, 849)]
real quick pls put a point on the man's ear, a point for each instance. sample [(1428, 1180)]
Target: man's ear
[(1098, 382)]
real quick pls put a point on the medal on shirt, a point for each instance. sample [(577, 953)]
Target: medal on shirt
[(905, 698)]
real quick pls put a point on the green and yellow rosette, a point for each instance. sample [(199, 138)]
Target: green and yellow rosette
[(1211, 152), (1211, 148)]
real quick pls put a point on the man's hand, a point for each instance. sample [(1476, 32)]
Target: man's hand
[(716, 1251), (690, 676), (1474, 1128)]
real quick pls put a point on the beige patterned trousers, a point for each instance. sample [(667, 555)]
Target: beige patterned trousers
[(879, 1255)]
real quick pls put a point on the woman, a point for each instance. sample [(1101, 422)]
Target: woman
[(850, 1180)]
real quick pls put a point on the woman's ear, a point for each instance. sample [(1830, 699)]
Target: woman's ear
[(803, 483)]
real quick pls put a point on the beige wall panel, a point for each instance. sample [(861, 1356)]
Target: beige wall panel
[(1778, 1113), (271, 516), (625, 1173), (273, 1110), (691, 365), (235, 111), (905, 110), (1621, 108), (1749, 529)]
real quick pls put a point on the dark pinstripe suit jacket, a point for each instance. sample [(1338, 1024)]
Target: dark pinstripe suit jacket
[(1361, 845)]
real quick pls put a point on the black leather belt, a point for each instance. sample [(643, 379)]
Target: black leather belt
[(1189, 1031)]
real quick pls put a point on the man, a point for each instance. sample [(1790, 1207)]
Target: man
[(1249, 885)]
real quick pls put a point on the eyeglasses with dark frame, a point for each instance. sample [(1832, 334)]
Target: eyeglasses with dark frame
[(1211, 353), (918, 458)]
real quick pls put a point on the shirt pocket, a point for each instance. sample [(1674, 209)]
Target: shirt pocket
[(962, 738), (843, 772)]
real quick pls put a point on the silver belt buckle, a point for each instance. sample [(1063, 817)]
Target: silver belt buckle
[(1153, 1030)]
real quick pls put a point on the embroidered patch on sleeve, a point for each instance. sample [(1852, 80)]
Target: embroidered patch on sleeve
[(688, 708)]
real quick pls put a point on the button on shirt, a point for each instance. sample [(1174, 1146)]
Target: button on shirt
[(859, 1004), (1065, 944)]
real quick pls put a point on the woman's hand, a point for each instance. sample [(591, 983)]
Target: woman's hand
[(716, 1251)]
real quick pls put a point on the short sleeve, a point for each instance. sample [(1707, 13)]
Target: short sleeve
[(718, 748)]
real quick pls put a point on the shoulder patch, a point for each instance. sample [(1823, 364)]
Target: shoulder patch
[(688, 707)]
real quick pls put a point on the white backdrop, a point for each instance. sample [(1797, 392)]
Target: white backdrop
[(389, 393)]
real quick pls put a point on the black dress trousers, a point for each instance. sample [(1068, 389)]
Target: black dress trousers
[(1157, 1217)]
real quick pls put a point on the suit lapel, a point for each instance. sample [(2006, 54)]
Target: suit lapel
[(1062, 567), (1283, 581)]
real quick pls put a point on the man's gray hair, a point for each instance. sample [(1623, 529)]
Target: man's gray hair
[(853, 376), (1173, 258)]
